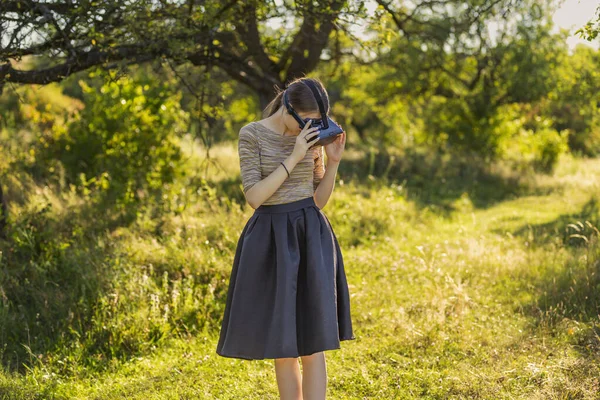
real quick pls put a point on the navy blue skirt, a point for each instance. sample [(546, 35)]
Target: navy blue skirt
[(288, 295)]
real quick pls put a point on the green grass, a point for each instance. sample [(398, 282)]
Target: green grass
[(474, 290)]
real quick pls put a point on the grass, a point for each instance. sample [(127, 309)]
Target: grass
[(474, 291)]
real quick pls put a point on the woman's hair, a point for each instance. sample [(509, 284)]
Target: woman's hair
[(300, 97)]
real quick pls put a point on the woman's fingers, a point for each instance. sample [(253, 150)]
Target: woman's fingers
[(307, 126)]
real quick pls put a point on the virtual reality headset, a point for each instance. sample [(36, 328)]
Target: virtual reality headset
[(329, 129)]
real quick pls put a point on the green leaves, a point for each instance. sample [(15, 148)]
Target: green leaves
[(122, 143), (590, 30)]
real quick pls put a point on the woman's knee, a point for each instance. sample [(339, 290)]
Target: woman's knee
[(287, 360), (315, 356)]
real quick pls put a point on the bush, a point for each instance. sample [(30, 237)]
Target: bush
[(529, 142), (122, 142)]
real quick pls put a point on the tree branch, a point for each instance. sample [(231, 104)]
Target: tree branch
[(248, 29), (20, 6), (310, 39)]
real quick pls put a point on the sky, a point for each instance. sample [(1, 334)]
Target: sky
[(574, 14)]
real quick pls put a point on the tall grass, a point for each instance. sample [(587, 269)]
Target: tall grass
[(483, 285)]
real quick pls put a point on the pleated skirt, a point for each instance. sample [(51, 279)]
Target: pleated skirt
[(288, 294)]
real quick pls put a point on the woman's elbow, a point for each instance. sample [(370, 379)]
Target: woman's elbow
[(252, 203), (250, 199), (317, 203)]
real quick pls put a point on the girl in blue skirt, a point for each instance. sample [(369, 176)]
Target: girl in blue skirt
[(288, 296)]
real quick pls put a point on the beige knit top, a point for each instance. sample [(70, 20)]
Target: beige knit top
[(261, 150)]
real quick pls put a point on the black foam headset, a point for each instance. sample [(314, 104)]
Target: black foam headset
[(329, 129)]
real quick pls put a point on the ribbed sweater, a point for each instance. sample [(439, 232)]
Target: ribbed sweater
[(261, 150)]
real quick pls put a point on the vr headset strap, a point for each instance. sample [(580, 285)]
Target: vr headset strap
[(291, 110), (317, 95), (318, 98)]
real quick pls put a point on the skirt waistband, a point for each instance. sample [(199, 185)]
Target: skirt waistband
[(286, 207)]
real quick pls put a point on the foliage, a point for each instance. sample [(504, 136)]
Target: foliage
[(528, 142), (574, 101), (122, 142)]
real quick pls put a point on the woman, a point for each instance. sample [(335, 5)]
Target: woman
[(288, 295)]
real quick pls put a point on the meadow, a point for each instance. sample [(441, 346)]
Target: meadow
[(467, 281)]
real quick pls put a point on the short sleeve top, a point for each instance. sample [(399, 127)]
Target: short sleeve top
[(261, 150)]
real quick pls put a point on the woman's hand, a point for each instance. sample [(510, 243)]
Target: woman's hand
[(304, 139), (335, 149)]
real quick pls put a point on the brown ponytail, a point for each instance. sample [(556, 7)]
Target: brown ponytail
[(274, 105), (300, 97)]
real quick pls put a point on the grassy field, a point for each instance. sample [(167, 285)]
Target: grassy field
[(461, 288)]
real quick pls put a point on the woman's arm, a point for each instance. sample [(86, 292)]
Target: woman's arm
[(265, 188), (327, 184), (325, 177), (256, 189)]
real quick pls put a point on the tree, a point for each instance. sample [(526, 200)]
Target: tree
[(233, 36), (78, 35), (445, 52), (66, 37)]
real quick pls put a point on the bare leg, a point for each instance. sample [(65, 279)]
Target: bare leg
[(289, 380), (314, 376)]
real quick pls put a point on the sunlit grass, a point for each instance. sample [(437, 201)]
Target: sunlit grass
[(491, 302)]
